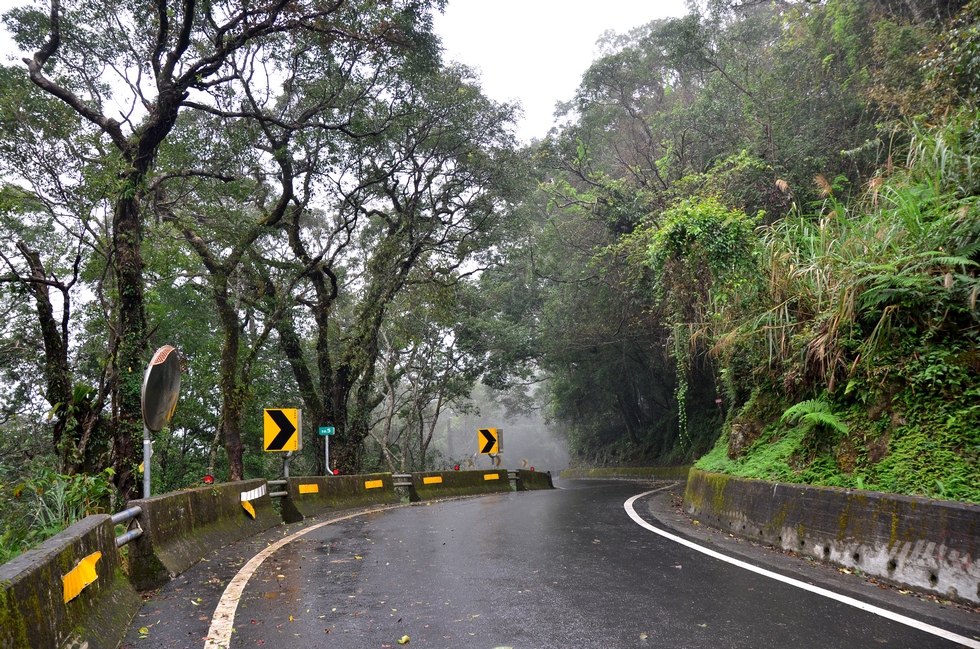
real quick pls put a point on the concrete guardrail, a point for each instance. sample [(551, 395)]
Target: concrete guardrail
[(930, 545), (71, 590), (312, 496), (532, 480), (181, 527), (68, 592), (440, 484)]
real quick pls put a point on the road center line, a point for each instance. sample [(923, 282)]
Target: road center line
[(223, 620), (844, 599)]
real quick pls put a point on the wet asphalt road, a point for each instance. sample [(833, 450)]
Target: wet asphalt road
[(564, 568)]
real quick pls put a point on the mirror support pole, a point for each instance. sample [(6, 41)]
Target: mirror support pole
[(147, 451)]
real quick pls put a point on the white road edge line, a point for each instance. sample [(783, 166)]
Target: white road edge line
[(844, 599), (223, 620)]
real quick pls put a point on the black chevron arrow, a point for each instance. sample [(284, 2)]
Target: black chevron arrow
[(491, 440), (286, 429)]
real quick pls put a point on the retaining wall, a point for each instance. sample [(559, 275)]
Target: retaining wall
[(930, 545), (311, 496), (633, 473), (180, 528), (34, 586), (440, 484)]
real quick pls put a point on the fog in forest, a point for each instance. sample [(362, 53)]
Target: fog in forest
[(526, 436)]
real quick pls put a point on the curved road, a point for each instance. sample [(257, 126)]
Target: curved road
[(567, 568)]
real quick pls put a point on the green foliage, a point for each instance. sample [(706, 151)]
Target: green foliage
[(954, 68), (841, 298), (45, 503), (812, 413)]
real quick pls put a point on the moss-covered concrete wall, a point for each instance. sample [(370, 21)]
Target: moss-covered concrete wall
[(530, 480), (33, 612), (932, 545), (312, 496), (180, 528), (440, 484), (635, 473)]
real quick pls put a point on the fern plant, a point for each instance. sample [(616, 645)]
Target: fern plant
[(814, 412)]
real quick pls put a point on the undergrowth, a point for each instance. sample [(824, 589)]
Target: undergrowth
[(928, 446)]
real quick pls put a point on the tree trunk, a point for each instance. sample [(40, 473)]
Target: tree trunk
[(231, 391), (130, 338)]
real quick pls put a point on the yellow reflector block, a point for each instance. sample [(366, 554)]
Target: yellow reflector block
[(436, 479), (309, 488), (248, 507), (374, 484), (491, 476), (80, 576)]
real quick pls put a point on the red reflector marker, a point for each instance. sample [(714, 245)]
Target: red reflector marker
[(208, 480)]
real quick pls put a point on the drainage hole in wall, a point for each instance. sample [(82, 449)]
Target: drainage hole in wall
[(856, 557), (780, 537), (802, 543), (892, 564), (826, 552), (933, 579)]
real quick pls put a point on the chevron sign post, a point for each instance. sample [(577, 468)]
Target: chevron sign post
[(282, 429)]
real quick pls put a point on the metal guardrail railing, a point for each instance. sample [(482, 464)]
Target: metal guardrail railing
[(402, 479), (278, 483), (122, 517)]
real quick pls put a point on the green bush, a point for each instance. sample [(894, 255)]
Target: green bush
[(46, 503)]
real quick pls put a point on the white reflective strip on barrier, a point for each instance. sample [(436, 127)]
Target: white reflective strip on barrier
[(253, 493)]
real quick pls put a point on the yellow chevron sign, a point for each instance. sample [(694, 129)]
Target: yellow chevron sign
[(282, 429), (488, 440)]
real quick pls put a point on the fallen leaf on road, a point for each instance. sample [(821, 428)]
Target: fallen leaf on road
[(404, 639)]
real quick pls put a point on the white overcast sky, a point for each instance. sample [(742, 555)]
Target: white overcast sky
[(535, 51), (530, 51)]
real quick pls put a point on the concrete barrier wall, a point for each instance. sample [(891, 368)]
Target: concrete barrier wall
[(531, 480), (311, 496), (180, 528), (440, 484), (33, 612), (931, 545), (634, 473)]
